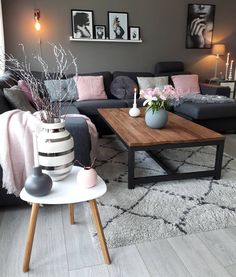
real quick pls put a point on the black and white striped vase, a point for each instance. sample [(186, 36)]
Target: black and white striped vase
[(55, 150)]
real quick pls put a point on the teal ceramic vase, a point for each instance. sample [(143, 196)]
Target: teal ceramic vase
[(156, 119)]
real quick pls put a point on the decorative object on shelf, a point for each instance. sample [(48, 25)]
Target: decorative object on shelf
[(158, 101), (217, 50), (82, 24), (134, 33), (230, 70), (134, 111), (118, 25), (37, 184), (227, 66), (200, 26), (55, 149), (100, 31), (87, 175)]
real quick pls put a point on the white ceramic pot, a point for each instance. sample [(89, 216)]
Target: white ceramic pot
[(87, 177), (55, 150)]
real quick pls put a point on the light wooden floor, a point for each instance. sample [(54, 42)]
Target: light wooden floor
[(63, 250)]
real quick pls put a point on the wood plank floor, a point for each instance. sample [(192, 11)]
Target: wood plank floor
[(63, 250)]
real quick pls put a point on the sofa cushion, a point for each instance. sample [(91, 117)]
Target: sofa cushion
[(18, 99), (90, 87), (186, 84), (207, 111), (152, 82), (61, 90), (89, 107), (122, 87)]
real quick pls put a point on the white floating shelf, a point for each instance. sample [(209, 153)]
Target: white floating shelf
[(104, 40)]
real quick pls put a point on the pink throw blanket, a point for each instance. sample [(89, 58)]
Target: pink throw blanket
[(16, 148)]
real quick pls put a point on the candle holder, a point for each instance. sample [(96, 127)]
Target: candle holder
[(134, 112)]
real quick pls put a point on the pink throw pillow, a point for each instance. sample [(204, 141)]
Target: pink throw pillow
[(186, 84), (90, 87), (25, 88)]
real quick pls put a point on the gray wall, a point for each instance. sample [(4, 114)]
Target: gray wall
[(163, 30)]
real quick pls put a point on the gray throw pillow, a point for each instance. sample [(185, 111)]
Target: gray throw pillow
[(18, 99), (61, 90), (122, 87)]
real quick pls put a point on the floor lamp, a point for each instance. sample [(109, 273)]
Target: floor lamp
[(218, 50)]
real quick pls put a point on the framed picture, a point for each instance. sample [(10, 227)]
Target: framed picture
[(118, 25), (200, 24), (134, 33), (82, 24), (100, 31)]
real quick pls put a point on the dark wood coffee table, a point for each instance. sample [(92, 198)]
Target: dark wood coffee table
[(178, 133)]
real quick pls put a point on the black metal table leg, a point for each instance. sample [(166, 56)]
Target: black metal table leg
[(131, 157), (218, 160)]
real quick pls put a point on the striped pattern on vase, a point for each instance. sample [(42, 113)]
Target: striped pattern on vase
[(55, 150)]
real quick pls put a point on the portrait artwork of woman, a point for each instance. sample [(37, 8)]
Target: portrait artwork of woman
[(82, 24), (200, 26)]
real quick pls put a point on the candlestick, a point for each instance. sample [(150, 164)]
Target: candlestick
[(230, 70), (35, 149), (235, 74), (227, 66)]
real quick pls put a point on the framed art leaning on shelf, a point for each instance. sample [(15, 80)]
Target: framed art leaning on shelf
[(100, 31), (82, 24), (134, 33), (118, 25)]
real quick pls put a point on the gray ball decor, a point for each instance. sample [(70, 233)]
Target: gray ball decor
[(38, 183)]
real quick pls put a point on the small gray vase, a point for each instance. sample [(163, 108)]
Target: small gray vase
[(156, 119), (38, 184)]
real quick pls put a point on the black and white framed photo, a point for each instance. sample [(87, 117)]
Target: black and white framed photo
[(118, 25), (100, 31), (82, 24), (134, 33), (200, 25)]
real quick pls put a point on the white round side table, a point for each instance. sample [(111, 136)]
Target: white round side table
[(67, 191)]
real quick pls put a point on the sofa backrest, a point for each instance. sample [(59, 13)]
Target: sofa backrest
[(132, 75), (169, 68)]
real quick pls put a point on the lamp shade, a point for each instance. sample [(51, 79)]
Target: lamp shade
[(218, 49)]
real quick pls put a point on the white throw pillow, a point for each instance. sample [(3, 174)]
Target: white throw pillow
[(152, 82)]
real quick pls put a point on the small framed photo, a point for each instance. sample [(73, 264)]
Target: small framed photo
[(100, 31), (134, 33), (118, 25), (82, 24)]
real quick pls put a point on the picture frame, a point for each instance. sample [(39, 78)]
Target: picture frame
[(82, 24), (134, 33), (100, 31), (200, 26), (118, 25)]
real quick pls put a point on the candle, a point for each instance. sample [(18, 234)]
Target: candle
[(135, 92), (35, 149), (231, 69), (227, 61)]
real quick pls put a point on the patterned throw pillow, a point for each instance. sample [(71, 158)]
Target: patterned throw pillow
[(186, 84), (152, 82), (122, 87), (18, 99), (61, 90), (90, 87)]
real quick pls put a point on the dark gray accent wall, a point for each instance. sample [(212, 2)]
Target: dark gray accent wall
[(163, 30)]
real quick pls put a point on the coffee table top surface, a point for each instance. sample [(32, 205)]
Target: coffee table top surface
[(68, 191), (135, 133)]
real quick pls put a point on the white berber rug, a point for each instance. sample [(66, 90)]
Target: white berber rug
[(166, 209)]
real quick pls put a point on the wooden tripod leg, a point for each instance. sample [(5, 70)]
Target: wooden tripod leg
[(30, 236), (97, 221), (71, 208)]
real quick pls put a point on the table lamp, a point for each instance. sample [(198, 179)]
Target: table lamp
[(218, 50)]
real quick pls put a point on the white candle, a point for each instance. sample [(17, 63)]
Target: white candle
[(227, 61), (35, 149), (231, 64), (135, 92)]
